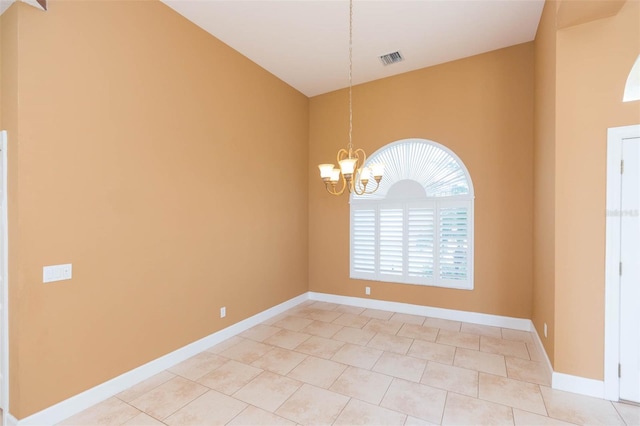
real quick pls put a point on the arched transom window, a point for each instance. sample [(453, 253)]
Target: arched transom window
[(417, 228)]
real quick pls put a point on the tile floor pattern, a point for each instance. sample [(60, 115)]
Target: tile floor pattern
[(323, 364)]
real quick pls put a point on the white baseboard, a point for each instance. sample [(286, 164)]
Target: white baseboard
[(9, 420), (67, 408), (427, 311), (577, 384), (540, 348), (567, 382)]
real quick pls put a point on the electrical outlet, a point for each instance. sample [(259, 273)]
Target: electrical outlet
[(223, 312), (545, 329), (367, 290)]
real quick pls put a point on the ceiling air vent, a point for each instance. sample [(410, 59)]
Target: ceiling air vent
[(391, 58)]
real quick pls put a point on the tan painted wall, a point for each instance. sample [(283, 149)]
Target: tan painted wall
[(544, 178), (593, 61), (168, 169), (480, 107)]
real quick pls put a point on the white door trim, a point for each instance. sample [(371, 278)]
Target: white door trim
[(615, 137), (4, 341)]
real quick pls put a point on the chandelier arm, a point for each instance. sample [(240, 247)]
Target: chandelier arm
[(341, 155), (332, 190), (364, 191), (374, 189), (357, 184), (360, 189)]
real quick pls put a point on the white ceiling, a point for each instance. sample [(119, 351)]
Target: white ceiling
[(4, 4), (306, 42)]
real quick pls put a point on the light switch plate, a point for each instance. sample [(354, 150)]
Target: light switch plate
[(57, 273)]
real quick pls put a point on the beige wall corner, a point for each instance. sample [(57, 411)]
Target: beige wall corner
[(544, 179)]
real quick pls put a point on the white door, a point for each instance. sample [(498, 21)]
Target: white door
[(630, 271), (4, 350)]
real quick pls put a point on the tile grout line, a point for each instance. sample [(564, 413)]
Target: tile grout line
[(287, 399), (544, 403), (444, 407), (141, 411), (241, 411), (341, 410)]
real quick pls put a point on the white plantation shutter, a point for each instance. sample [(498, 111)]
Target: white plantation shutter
[(418, 228), (363, 242), (453, 241), (421, 241), (391, 236)]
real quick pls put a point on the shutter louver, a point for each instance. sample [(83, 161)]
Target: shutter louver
[(391, 240), (420, 234), (363, 241), (454, 243)]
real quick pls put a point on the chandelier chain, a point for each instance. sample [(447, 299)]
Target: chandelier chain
[(351, 170), (350, 73)]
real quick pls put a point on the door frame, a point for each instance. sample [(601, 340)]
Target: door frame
[(4, 331), (615, 136)]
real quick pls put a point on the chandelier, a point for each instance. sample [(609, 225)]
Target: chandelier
[(352, 172)]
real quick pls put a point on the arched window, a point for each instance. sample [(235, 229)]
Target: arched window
[(417, 228), (632, 88)]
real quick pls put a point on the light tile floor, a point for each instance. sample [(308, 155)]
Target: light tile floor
[(322, 364)]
